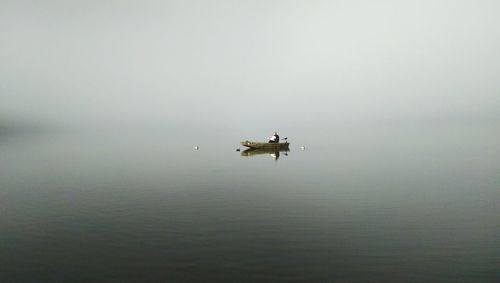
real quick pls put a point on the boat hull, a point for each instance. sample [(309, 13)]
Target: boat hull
[(265, 145)]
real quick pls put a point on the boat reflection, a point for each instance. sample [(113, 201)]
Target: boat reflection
[(274, 153)]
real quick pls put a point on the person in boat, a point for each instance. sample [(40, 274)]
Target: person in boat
[(274, 138)]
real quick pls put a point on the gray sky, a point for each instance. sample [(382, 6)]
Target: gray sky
[(230, 63)]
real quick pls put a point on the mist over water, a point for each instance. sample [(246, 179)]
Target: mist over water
[(240, 64), (396, 105)]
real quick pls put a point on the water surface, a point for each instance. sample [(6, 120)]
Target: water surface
[(137, 206)]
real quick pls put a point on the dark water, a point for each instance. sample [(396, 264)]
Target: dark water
[(390, 206)]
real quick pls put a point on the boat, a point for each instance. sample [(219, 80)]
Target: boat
[(265, 145)]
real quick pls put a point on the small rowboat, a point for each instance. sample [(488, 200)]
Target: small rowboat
[(265, 145)]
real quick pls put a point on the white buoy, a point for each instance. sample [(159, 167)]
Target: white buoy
[(196, 148), (302, 147)]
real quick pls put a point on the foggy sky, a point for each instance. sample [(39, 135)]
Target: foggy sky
[(229, 63)]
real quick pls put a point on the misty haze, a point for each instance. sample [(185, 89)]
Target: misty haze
[(121, 123)]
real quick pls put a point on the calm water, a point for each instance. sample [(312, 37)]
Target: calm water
[(383, 206)]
